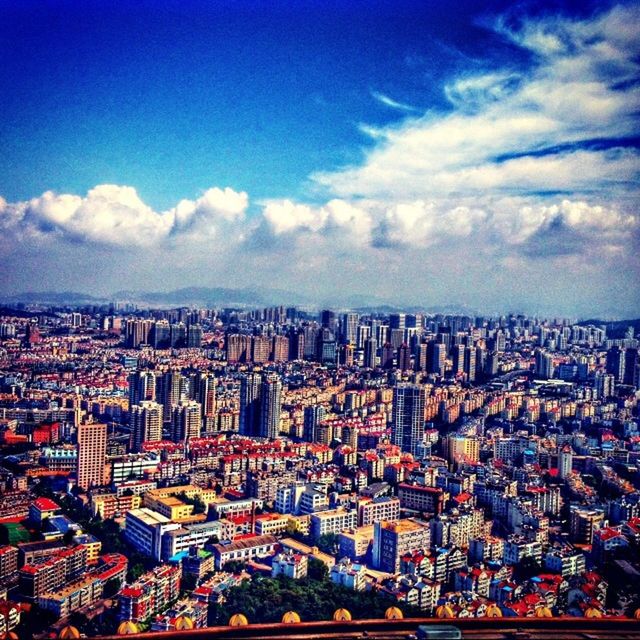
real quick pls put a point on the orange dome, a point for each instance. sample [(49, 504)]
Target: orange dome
[(636, 614), (238, 620), (543, 612), (127, 628), (393, 613), (592, 612), (445, 611), (342, 615), (290, 617), (69, 633), (494, 611), (184, 623)]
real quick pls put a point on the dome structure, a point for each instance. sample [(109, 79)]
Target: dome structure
[(494, 611), (445, 611), (342, 615), (393, 613), (543, 612), (68, 633), (9, 635), (290, 617), (184, 623), (127, 628), (592, 612), (238, 620), (636, 614)]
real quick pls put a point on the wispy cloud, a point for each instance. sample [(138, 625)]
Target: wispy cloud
[(393, 104)]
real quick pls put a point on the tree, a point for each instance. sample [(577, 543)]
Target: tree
[(328, 542), (317, 570), (135, 571), (111, 587)]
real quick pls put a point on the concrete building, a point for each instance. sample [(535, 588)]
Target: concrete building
[(92, 455)]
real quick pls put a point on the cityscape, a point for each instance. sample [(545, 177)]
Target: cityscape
[(169, 469), (320, 319)]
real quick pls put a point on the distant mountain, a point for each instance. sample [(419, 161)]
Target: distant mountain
[(263, 297), (53, 298), (615, 328)]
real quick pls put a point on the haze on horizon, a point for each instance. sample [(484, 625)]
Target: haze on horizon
[(482, 156)]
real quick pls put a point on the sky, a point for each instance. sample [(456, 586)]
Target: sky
[(426, 153)]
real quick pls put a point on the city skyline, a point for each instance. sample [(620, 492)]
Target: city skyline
[(485, 158)]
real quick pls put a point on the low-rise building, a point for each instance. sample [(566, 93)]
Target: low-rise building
[(290, 564), (244, 550)]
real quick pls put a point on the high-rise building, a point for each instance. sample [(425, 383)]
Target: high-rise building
[(363, 332), (470, 363), (296, 345), (238, 347), (565, 462), (160, 336), (370, 349), (392, 540), (604, 384), (171, 388), (312, 416), (328, 320), (260, 349), (142, 386), (630, 366), (202, 389), (458, 359), (187, 421), (544, 365), (250, 385), (270, 406), (349, 328), (194, 336), (397, 321), (462, 449), (404, 357), (145, 420), (436, 356), (407, 424), (386, 358), (280, 349), (616, 363), (92, 453)]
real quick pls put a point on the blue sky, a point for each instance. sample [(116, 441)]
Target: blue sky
[(411, 150)]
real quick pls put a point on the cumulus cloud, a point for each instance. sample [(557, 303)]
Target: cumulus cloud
[(115, 215)]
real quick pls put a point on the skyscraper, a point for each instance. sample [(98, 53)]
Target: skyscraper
[(92, 452), (312, 416), (187, 421), (250, 404), (145, 420), (171, 387), (616, 363), (436, 355), (565, 461), (142, 386), (349, 328), (544, 365), (370, 349), (270, 407), (407, 423)]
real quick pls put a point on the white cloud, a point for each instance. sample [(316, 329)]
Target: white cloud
[(393, 104), (518, 131), (115, 215)]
